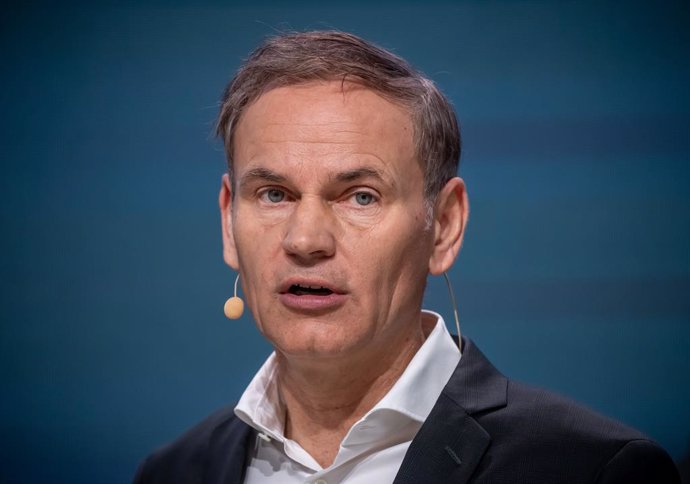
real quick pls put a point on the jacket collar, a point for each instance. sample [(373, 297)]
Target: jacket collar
[(476, 385), (451, 443)]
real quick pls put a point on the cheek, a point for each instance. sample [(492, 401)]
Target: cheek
[(390, 255), (254, 257), (255, 240)]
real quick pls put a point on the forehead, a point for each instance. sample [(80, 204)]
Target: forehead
[(332, 119)]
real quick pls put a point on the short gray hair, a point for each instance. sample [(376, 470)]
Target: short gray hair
[(298, 58)]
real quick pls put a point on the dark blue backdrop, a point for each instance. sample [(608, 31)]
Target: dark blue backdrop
[(575, 273)]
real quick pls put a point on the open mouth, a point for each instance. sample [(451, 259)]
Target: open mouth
[(311, 297), (299, 290)]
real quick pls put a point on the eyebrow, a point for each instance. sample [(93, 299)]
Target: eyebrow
[(264, 174), (261, 174), (357, 173)]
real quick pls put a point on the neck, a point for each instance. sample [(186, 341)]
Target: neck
[(324, 399)]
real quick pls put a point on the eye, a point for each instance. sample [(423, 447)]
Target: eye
[(364, 198), (273, 195)]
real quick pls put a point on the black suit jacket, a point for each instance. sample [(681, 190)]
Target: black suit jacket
[(484, 428)]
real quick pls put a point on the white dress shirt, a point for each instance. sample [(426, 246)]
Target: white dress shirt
[(374, 448)]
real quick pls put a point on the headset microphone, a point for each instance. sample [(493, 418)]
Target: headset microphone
[(234, 307), (455, 308)]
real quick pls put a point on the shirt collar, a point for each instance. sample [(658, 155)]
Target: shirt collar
[(260, 405), (412, 396), (416, 391)]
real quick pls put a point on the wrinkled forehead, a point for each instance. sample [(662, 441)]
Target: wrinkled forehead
[(311, 135), (324, 114), (351, 93)]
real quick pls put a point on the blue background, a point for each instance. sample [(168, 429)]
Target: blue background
[(575, 272)]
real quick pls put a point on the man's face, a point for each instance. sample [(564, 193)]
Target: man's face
[(327, 224)]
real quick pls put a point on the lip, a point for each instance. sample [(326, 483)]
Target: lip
[(310, 303), (284, 287)]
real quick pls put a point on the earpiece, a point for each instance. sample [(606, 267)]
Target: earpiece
[(455, 307), (234, 307)]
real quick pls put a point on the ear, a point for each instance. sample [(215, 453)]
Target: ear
[(225, 203), (450, 218)]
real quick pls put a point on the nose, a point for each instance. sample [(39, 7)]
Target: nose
[(309, 236)]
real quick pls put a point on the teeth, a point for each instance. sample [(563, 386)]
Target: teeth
[(310, 289)]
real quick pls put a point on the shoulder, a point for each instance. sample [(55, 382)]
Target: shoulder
[(547, 413), (189, 457), (557, 436), (545, 437)]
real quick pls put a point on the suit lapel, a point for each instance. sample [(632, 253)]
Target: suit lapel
[(228, 454), (451, 443), (446, 450)]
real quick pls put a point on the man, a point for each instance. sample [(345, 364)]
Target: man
[(341, 198)]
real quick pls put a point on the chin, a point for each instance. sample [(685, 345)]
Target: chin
[(322, 342)]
